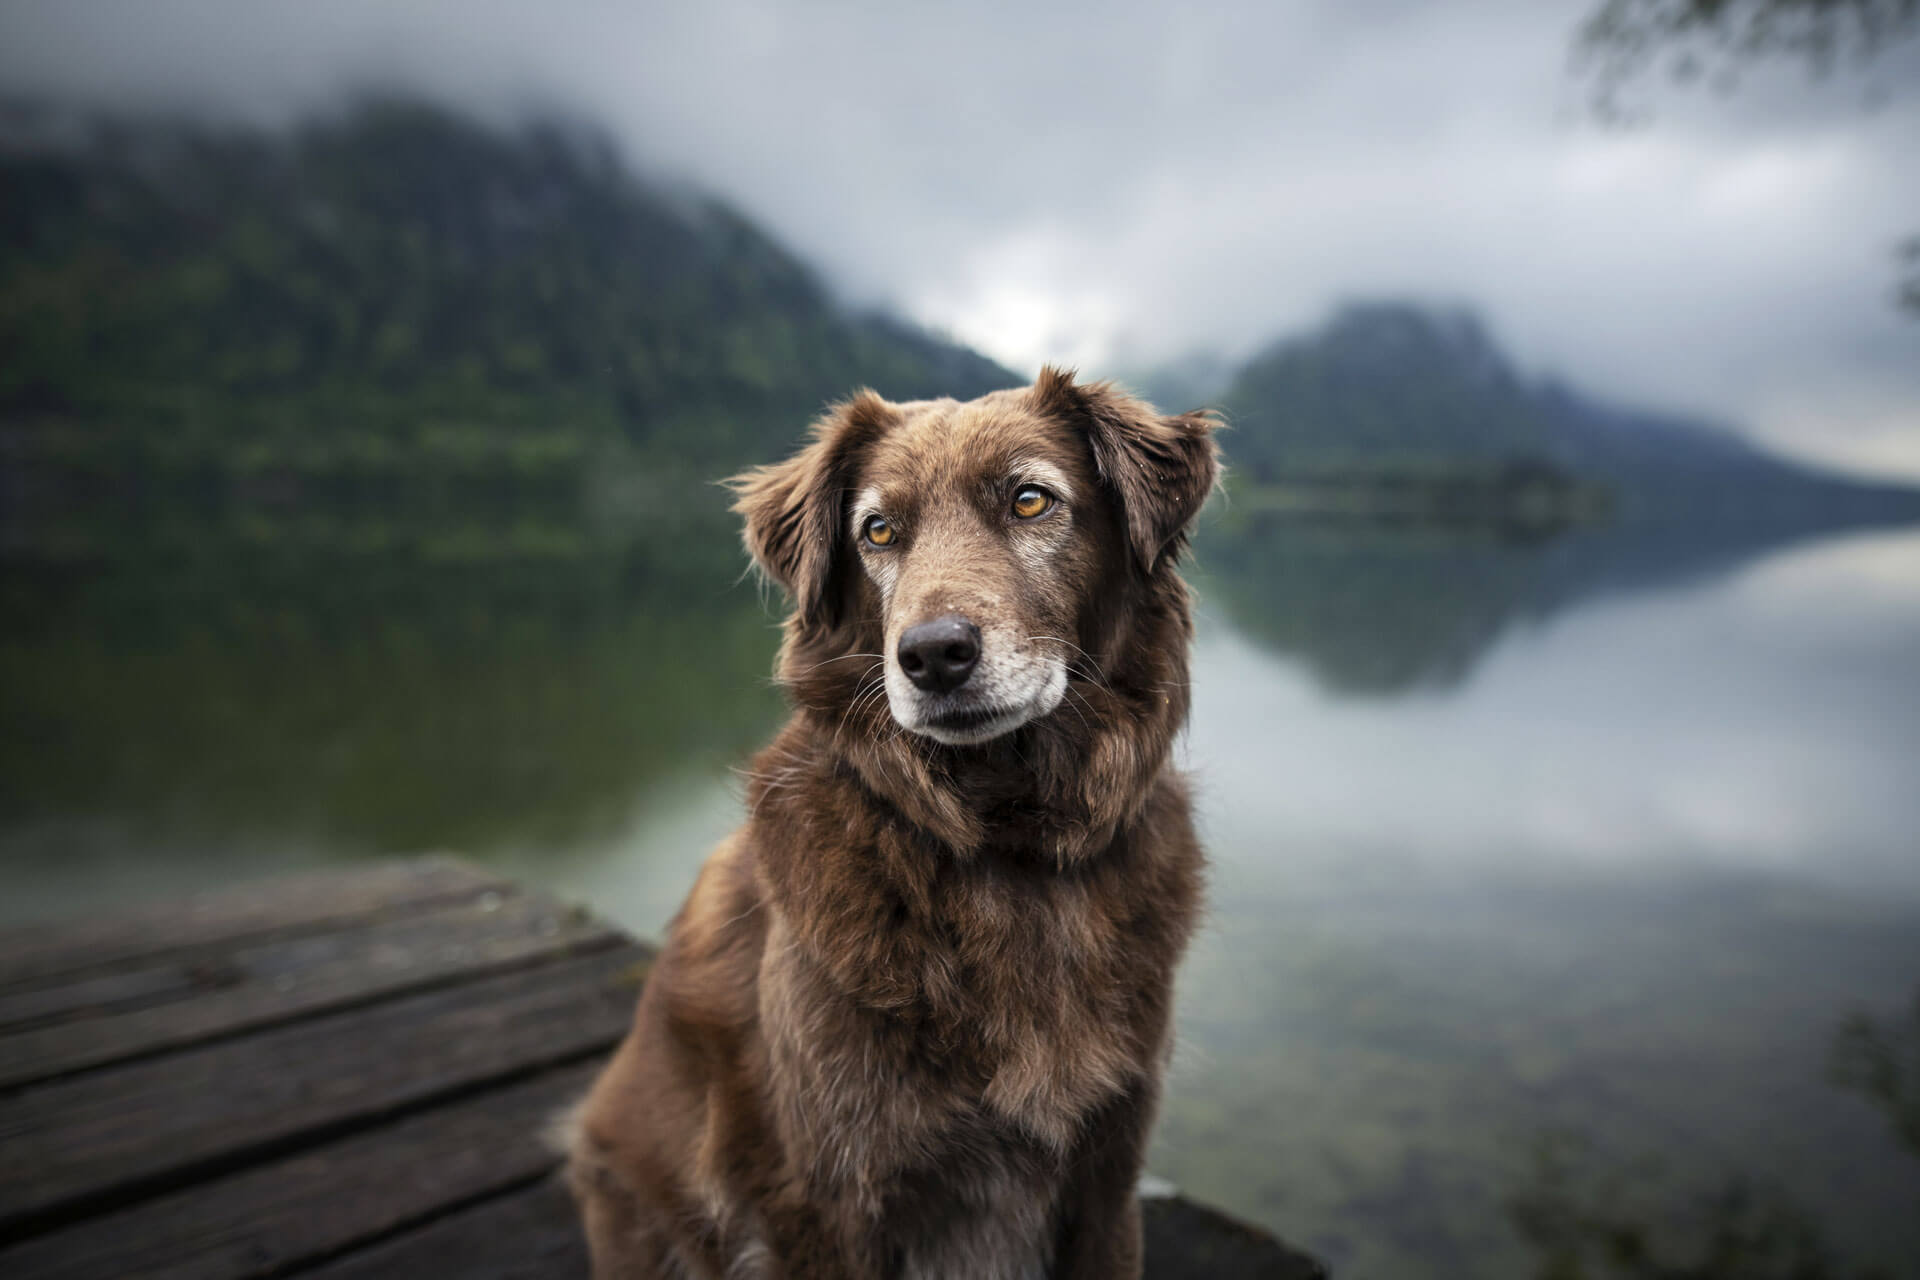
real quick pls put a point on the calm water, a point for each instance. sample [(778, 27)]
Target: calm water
[(1555, 886)]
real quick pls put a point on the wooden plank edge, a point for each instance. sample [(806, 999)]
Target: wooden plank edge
[(1188, 1240), (24, 1069), (533, 1233), (218, 966), (288, 1215), (39, 955), (133, 1191), (52, 1211), (530, 1233)]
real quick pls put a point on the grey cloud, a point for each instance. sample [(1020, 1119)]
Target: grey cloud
[(1123, 182)]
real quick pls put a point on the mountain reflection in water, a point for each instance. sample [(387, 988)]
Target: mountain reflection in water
[(1378, 608)]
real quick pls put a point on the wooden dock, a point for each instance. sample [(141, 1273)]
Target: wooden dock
[(343, 1074)]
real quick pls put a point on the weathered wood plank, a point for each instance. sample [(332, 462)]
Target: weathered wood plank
[(289, 978), (103, 993), (95, 1141), (278, 1216), (533, 1234), (1188, 1241), (30, 957)]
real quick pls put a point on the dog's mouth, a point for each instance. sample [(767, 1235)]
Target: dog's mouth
[(1009, 688), (963, 726), (972, 720), (966, 717)]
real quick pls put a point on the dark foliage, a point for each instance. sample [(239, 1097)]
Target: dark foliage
[(402, 291), (1625, 44), (1624, 41)]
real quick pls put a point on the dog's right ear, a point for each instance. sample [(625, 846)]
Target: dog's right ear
[(1161, 468), (794, 510)]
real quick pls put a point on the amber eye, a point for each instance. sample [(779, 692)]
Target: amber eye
[(1030, 503), (878, 531)]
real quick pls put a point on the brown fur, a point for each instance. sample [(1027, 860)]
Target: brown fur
[(913, 1017)]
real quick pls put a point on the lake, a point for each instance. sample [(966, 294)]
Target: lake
[(1565, 889)]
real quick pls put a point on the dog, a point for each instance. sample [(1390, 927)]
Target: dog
[(913, 1018)]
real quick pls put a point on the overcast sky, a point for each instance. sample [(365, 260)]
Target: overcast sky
[(1122, 183)]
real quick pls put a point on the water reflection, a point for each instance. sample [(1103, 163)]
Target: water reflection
[(1506, 841), (319, 686), (1583, 1217), (1620, 883), (1379, 608)]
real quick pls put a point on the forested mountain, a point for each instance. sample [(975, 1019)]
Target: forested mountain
[(1396, 388), (397, 293), (400, 290), (1385, 383)]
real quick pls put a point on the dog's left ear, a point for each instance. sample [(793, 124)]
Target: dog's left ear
[(794, 509), (1161, 467)]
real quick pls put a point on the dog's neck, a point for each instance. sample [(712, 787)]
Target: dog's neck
[(1062, 788)]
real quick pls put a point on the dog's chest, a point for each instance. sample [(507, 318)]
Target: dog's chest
[(1002, 1010), (1045, 998)]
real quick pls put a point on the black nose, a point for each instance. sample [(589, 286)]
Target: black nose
[(940, 655)]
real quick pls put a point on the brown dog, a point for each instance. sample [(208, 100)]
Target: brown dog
[(912, 1019)]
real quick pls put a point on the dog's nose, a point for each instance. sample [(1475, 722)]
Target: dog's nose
[(938, 656)]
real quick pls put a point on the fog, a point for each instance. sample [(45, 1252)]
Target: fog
[(1124, 184)]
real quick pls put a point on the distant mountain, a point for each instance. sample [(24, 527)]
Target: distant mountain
[(1193, 381), (1411, 574), (399, 290), (1396, 387), (1385, 384)]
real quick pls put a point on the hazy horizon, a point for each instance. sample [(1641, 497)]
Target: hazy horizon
[(1123, 192)]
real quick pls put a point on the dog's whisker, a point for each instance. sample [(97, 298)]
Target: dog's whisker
[(869, 686), (1068, 703), (864, 707), (1077, 697), (842, 658), (1079, 655), (871, 691)]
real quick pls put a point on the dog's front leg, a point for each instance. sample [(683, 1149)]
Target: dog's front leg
[(1099, 1229)]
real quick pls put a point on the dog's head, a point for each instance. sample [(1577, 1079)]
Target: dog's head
[(972, 554)]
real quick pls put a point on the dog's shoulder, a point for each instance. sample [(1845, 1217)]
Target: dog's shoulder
[(706, 974)]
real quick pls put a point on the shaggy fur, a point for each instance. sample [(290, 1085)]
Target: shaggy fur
[(912, 1019)]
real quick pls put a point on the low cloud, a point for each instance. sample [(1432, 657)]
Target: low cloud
[(1121, 184)]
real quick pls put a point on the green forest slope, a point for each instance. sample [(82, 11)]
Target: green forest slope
[(398, 291)]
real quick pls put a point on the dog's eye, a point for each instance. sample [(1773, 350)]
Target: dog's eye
[(878, 531), (1031, 503)]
